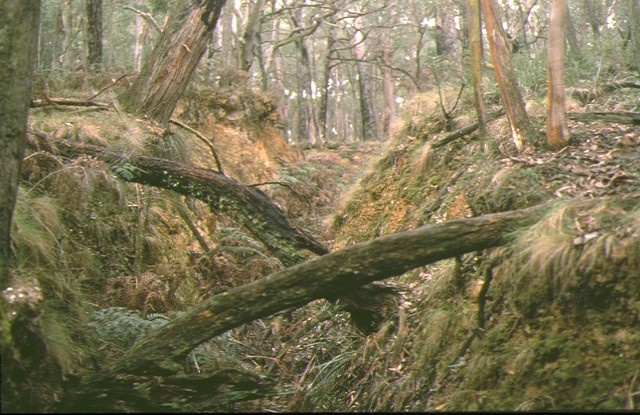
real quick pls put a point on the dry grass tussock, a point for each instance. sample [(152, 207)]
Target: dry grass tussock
[(578, 245)]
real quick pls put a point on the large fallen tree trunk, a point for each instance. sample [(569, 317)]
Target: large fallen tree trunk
[(245, 203), (160, 355), (329, 276)]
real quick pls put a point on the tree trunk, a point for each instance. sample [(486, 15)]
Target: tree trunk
[(557, 131), (328, 276), (572, 38), (446, 41), (324, 94), (223, 194), (141, 31), (94, 33), (389, 95), (168, 69), (635, 30), (250, 36), (594, 16), (475, 58), (228, 37), (19, 21), (505, 76), (307, 124), (369, 123)]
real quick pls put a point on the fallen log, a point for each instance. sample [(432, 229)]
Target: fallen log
[(164, 349), (466, 130), (328, 276), (73, 102), (246, 204), (619, 117), (160, 355)]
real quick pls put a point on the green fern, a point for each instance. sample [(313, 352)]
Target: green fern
[(127, 171), (123, 327)]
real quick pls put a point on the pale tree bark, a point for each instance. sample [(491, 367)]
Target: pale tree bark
[(557, 131), (635, 30), (228, 36), (250, 37), (168, 69), (327, 65), (19, 22), (63, 27), (368, 115), (307, 124), (505, 76), (475, 58), (141, 34), (110, 58), (389, 112), (94, 33)]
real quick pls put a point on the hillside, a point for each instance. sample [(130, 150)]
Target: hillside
[(548, 321)]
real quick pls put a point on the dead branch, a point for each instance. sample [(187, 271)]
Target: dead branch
[(466, 130), (327, 276), (619, 117), (107, 87), (204, 139), (147, 17), (74, 102)]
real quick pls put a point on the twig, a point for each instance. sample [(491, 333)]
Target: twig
[(482, 296), (466, 130), (147, 17), (287, 185), (73, 102), (107, 87), (205, 140)]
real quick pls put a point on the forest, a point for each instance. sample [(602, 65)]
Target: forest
[(319, 205)]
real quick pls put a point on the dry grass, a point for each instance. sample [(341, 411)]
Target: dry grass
[(577, 245)]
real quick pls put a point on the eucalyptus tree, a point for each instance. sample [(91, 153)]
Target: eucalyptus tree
[(557, 130), (168, 69), (512, 101), (475, 60)]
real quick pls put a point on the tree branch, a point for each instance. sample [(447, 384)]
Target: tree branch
[(147, 17), (246, 204), (164, 350), (204, 139)]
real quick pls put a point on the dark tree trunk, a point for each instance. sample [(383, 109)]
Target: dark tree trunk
[(94, 33), (168, 69), (19, 21)]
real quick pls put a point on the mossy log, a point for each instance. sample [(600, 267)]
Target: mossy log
[(223, 194)]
